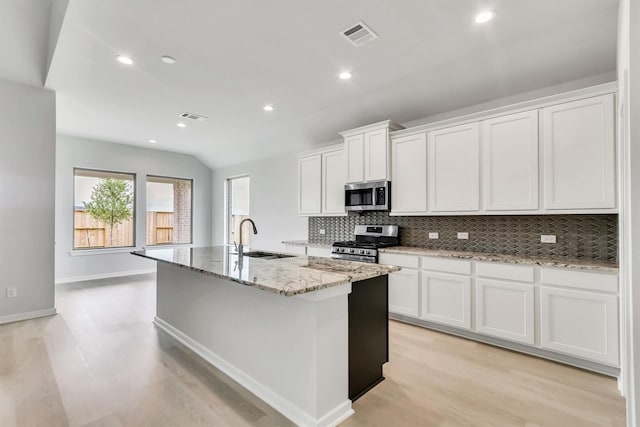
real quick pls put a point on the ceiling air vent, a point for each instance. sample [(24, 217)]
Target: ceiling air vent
[(192, 116), (359, 34)]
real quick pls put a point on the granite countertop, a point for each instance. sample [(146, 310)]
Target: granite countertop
[(284, 276), (580, 264)]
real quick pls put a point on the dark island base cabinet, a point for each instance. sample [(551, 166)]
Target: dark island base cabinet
[(368, 334)]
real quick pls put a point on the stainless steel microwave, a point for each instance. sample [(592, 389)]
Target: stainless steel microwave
[(368, 196)]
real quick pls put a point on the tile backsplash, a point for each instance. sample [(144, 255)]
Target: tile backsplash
[(577, 236)]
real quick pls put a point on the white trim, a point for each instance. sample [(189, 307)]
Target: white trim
[(104, 276), (27, 315), (518, 107), (507, 212), (83, 252), (385, 124), (321, 150), (172, 245), (279, 403)]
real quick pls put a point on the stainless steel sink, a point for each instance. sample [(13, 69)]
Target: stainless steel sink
[(266, 255)]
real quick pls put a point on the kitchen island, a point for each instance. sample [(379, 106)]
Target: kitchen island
[(307, 335)]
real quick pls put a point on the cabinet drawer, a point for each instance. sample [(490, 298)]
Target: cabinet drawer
[(502, 271), (446, 265), (580, 280), (407, 261)]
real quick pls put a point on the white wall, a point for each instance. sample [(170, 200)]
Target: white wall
[(27, 152), (273, 201), (85, 153), (629, 159)]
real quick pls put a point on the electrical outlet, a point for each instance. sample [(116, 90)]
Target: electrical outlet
[(322, 231), (434, 236), (547, 238), (463, 235), (12, 292)]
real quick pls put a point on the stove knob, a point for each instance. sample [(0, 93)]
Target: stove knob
[(352, 250), (362, 251)]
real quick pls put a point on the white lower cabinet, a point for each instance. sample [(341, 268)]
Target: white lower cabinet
[(505, 310), (580, 323), (566, 311), (404, 286), (446, 298)]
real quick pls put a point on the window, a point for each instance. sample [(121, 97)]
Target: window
[(169, 207), (104, 213), (237, 209)]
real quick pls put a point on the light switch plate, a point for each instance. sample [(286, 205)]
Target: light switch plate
[(322, 231), (12, 292), (548, 238), (434, 236), (463, 235)]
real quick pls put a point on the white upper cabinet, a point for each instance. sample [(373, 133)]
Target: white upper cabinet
[(367, 151), (510, 162), (579, 154), (409, 174), (354, 147), (454, 168), (309, 184), (321, 179), (376, 155), (333, 179)]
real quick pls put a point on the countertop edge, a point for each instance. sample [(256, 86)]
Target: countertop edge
[(344, 278), (575, 264)]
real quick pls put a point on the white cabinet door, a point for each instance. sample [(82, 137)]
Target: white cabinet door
[(376, 155), (409, 174), (579, 154), (454, 169), (510, 162), (580, 323), (333, 180), (505, 310), (403, 292), (309, 184), (446, 298), (354, 146)]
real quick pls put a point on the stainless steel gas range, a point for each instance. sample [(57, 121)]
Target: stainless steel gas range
[(369, 238)]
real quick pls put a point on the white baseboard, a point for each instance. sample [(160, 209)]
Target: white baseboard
[(104, 276), (279, 403), (27, 315)]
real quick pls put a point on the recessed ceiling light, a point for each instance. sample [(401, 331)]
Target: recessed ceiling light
[(168, 60), (268, 107), (345, 75), (181, 125), (124, 60), (153, 141), (485, 16)]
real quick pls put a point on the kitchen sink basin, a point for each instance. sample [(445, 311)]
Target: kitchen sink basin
[(266, 255)]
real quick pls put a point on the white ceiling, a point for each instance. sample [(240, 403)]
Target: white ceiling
[(235, 56)]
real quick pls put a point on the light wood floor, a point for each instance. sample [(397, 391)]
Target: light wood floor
[(100, 362)]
